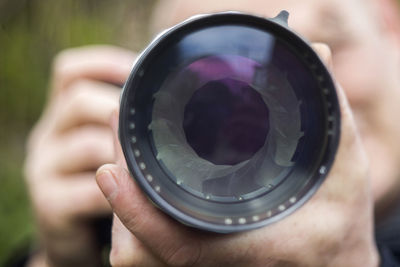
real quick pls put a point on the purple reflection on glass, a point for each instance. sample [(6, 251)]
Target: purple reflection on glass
[(226, 120), (222, 66)]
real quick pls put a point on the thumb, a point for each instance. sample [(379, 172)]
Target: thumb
[(169, 240)]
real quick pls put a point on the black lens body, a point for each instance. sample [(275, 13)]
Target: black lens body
[(229, 121)]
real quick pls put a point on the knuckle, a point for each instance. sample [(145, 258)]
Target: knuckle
[(131, 220), (79, 94), (77, 98), (62, 60), (35, 168), (96, 144)]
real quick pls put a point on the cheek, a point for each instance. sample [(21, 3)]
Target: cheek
[(360, 72)]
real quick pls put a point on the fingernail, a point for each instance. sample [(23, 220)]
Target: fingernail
[(107, 183)]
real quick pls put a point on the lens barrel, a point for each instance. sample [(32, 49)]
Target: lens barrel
[(229, 121)]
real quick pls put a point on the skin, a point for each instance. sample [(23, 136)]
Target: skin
[(71, 140), (62, 158)]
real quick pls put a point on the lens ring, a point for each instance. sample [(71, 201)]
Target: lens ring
[(312, 118)]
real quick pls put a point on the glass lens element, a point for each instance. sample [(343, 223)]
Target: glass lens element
[(211, 121), (226, 121)]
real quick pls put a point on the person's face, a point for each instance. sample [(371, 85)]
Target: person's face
[(366, 63)]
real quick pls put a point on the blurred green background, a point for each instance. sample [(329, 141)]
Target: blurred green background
[(31, 33)]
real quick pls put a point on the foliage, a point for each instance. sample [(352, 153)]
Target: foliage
[(31, 33)]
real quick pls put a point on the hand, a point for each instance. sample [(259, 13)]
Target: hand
[(71, 140), (334, 228)]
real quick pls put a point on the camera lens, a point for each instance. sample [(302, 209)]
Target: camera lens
[(229, 122)]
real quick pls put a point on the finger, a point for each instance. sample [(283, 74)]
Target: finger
[(103, 63), (325, 53), (83, 149), (61, 201), (84, 197), (127, 250), (86, 102), (169, 240)]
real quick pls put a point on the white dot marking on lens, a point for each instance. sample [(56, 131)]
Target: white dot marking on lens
[(240, 198), (292, 200), (228, 221), (157, 188), (142, 166), (133, 111), (281, 207), (132, 126), (256, 218), (136, 152), (133, 139), (322, 170), (149, 178), (179, 182), (269, 213), (208, 197), (242, 220)]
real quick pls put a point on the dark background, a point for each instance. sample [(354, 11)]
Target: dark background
[(31, 34)]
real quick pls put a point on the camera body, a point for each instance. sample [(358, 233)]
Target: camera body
[(229, 121)]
